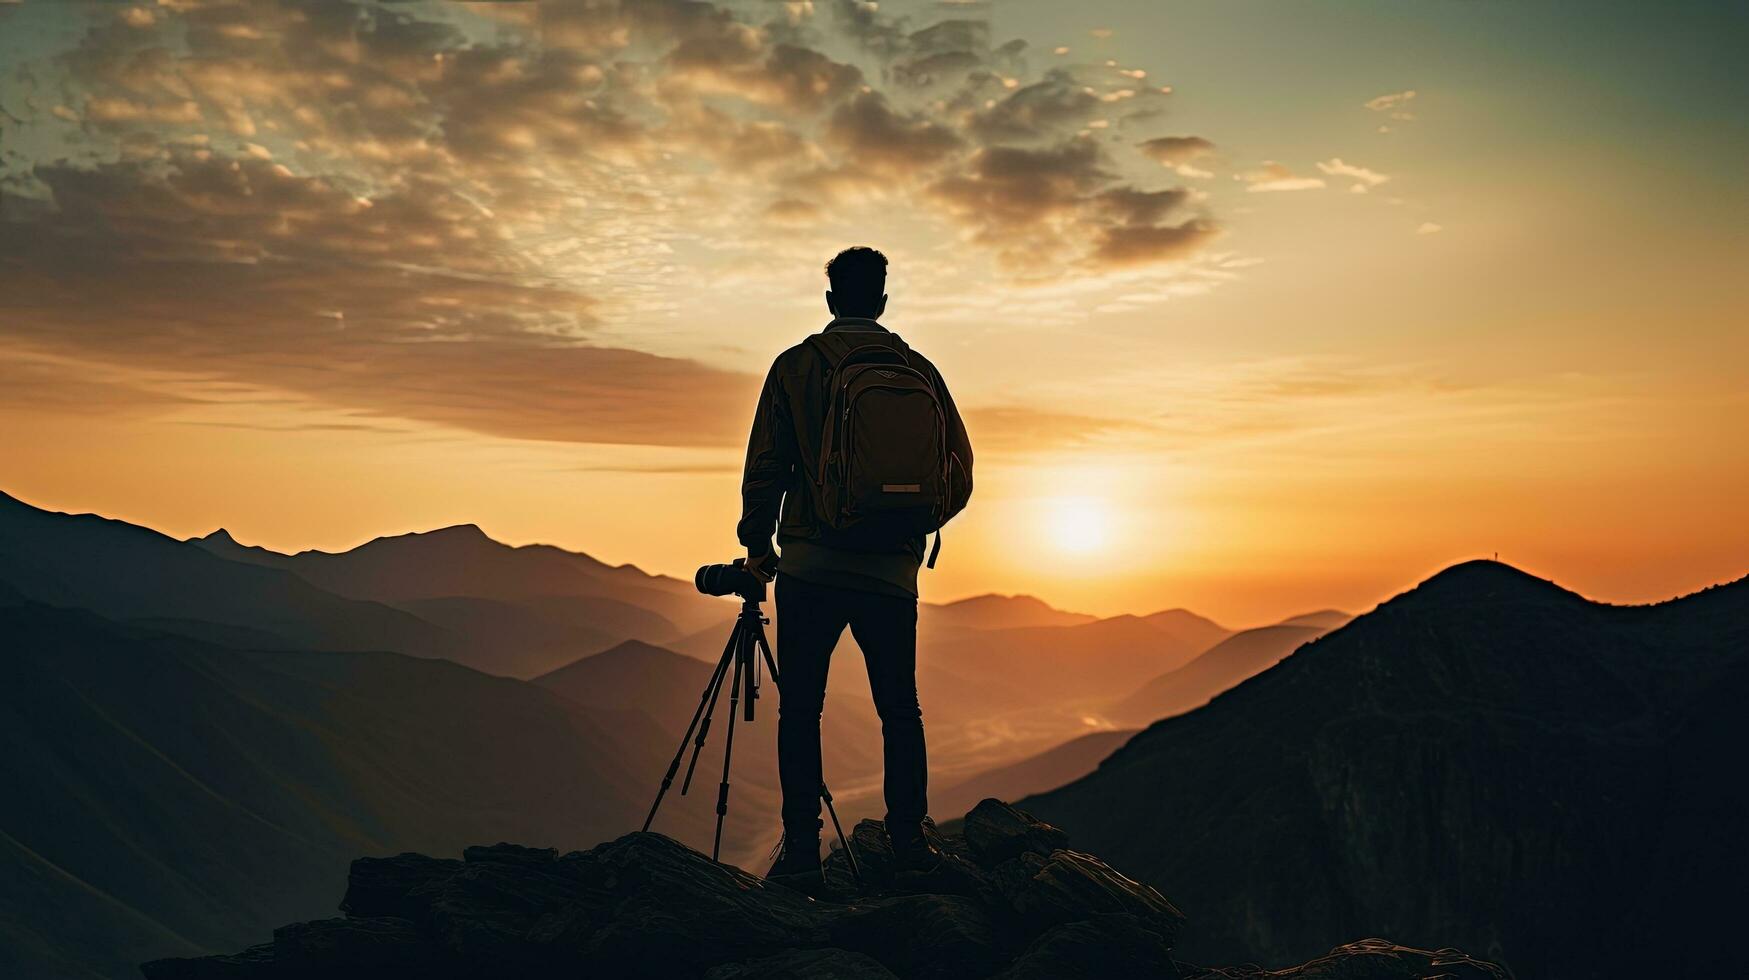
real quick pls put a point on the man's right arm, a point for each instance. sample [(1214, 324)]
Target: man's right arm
[(769, 470)]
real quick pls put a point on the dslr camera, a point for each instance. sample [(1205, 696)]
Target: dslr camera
[(731, 577)]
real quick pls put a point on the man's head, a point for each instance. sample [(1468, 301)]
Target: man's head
[(859, 282)]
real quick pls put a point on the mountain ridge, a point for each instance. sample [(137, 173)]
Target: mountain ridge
[(1454, 737)]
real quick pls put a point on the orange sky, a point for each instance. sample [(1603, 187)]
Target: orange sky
[(1252, 335)]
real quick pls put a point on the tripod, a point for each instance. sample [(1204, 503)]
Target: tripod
[(745, 640)]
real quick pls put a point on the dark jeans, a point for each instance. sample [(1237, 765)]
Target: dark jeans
[(810, 618)]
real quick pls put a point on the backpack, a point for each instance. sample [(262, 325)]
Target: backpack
[(884, 472)]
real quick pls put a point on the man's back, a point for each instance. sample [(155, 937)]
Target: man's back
[(784, 455), (853, 564)]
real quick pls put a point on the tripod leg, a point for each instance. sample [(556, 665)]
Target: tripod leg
[(770, 661), (728, 749), (849, 855), (713, 694), (708, 697), (752, 691)]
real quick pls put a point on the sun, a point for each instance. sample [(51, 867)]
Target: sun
[(1078, 525)]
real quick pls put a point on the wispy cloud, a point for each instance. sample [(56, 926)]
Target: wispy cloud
[(1394, 105), (1392, 102), (1275, 177), (1365, 178)]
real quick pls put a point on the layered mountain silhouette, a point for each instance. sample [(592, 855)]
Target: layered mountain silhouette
[(1325, 619), (1242, 655), (1233, 659), (1097, 659), (130, 573), (989, 612), (514, 611), (667, 686), (190, 719), (156, 784), (200, 735), (1047, 770), (1487, 760), (1011, 900)]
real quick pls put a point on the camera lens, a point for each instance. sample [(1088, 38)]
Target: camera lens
[(723, 579)]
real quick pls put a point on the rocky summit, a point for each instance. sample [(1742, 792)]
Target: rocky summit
[(1010, 899)]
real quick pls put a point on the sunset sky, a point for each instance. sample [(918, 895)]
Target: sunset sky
[(1253, 306)]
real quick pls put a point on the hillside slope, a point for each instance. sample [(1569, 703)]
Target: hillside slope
[(155, 784), (1487, 760)]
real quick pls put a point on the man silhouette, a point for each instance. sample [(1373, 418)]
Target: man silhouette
[(831, 578)]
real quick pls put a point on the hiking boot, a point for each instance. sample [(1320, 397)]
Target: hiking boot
[(798, 860), (912, 851)]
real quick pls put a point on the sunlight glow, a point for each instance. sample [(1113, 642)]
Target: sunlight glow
[(1078, 525)]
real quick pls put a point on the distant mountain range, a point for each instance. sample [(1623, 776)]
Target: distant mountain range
[(1233, 659), (187, 719), (154, 782), (512, 611), (1487, 760), (1049, 769), (667, 686)]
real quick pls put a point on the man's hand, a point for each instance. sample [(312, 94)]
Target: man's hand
[(762, 563)]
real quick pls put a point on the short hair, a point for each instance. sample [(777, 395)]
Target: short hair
[(859, 279)]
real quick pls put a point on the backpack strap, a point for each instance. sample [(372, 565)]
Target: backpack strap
[(935, 552), (892, 348)]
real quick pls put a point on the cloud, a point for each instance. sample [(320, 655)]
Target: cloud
[(1429, 228), (421, 217), (33, 382), (1042, 111), (792, 211), (867, 130), (1139, 245), (385, 308), (1037, 206), (1336, 167), (1020, 430), (1274, 177), (1181, 153), (1365, 179), (1395, 104)]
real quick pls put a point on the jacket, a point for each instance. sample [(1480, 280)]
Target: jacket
[(784, 446)]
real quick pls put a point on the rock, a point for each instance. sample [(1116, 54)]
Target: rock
[(384, 886), (874, 859), (806, 964), (485, 913), (1368, 959), (1106, 945), (254, 963), (502, 853), (996, 832), (1069, 886), (644, 906), (956, 875), (923, 936), (340, 949), (659, 909)]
